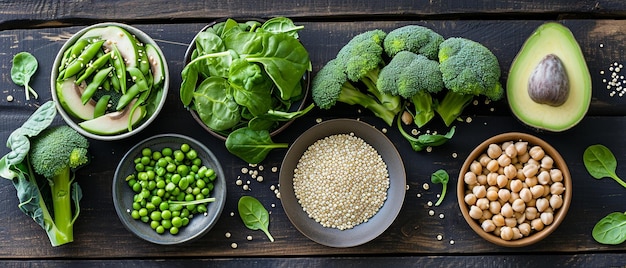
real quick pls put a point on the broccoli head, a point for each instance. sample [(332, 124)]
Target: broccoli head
[(468, 69), (413, 38), (413, 77), (331, 84)]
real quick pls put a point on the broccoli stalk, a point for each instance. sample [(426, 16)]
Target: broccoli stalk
[(468, 69), (44, 159)]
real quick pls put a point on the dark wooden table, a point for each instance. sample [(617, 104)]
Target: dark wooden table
[(41, 27)]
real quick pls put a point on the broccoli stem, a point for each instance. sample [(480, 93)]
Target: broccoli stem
[(452, 105), (422, 102), (60, 186), (352, 96), (392, 103)]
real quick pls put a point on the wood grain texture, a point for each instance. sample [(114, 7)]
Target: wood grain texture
[(100, 235)]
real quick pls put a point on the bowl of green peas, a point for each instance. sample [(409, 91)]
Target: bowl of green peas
[(109, 81), (169, 189)]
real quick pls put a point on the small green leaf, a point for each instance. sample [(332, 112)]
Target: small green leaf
[(601, 163), (254, 215), (610, 230)]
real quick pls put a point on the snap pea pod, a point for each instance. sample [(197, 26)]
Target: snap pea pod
[(138, 77), (66, 58), (98, 79), (115, 82), (101, 106), (132, 92), (144, 64), (96, 65), (142, 98), (78, 64), (120, 68)]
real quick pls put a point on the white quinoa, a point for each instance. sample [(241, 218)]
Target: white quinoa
[(341, 181)]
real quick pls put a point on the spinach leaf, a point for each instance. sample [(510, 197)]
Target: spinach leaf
[(188, 85), (440, 176), (251, 145), (600, 163), (267, 120), (251, 86), (282, 25), (611, 229), (254, 215), (215, 104), (24, 67)]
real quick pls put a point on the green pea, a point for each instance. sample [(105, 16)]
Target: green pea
[(174, 230), (192, 154), (155, 215), (185, 221), (170, 187), (179, 156), (185, 147), (155, 200), (166, 151), (160, 192), (164, 206), (145, 219), (135, 214), (177, 222), (145, 160), (154, 224), (146, 152), (136, 187), (166, 214), (182, 170), (176, 207), (136, 206), (143, 212), (197, 161), (210, 173), (162, 162), (156, 155), (150, 207), (201, 208), (184, 213), (160, 184), (139, 167), (176, 213), (205, 192), (171, 167), (160, 229), (167, 224), (151, 174), (200, 184)]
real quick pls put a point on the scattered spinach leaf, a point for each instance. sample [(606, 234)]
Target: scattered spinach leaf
[(425, 140), (251, 145), (24, 67), (440, 176), (610, 230), (600, 163), (254, 215)]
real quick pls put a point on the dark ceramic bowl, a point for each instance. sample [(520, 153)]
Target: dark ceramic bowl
[(559, 214), (74, 121), (200, 224), (297, 106), (363, 232)]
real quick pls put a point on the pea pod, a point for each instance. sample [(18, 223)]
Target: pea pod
[(120, 67), (98, 79), (115, 82), (142, 98), (138, 77), (79, 63), (101, 106), (96, 65), (144, 64), (132, 92), (77, 48), (66, 58)]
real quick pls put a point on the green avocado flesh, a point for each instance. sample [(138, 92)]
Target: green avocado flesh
[(550, 38)]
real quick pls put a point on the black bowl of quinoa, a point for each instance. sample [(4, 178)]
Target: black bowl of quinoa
[(342, 183)]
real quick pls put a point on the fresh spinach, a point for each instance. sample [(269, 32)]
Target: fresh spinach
[(251, 145), (254, 215), (601, 163), (282, 25), (252, 88), (440, 176), (24, 67), (215, 105), (611, 229)]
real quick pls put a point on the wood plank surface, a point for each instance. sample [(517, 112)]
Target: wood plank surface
[(100, 235)]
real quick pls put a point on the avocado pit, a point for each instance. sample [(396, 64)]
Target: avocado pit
[(549, 83)]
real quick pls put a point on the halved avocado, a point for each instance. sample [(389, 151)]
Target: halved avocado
[(549, 40), (115, 122), (69, 94)]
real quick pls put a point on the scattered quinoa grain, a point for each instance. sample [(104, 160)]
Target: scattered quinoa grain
[(414, 132), (244, 170), (454, 155), (261, 168), (233, 245), (430, 203), (246, 187), (407, 187), (232, 214), (429, 149), (318, 120), (468, 119), (384, 130), (274, 169), (419, 195), (439, 237), (431, 212), (238, 182), (227, 235), (426, 186), (9, 98), (259, 178), (249, 238), (273, 205), (451, 242), (441, 216), (272, 187)]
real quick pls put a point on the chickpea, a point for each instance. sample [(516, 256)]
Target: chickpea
[(521, 217), (470, 199), (484, 159), (502, 181), (542, 204), (506, 233), (494, 151), (492, 178), (495, 207), (536, 153), (533, 162), (547, 218), (516, 186), (521, 147), (556, 175), (557, 188), (510, 171), (547, 162), (525, 195), (530, 170), (537, 191), (470, 178), (523, 158), (506, 210), (488, 226), (546, 190), (492, 194), (531, 203), (479, 191), (511, 151), (517, 234), (556, 201), (493, 165), (496, 232), (504, 194), (518, 205), (498, 220), (544, 177), (482, 179), (537, 224), (482, 203), (510, 222), (504, 160), (530, 182), (531, 213), (475, 212), (487, 215), (506, 144), (476, 167), (524, 229)]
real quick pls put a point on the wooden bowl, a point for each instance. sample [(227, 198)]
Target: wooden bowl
[(534, 236)]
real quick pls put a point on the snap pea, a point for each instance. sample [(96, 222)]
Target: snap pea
[(132, 92), (101, 106), (144, 64), (95, 65), (78, 64), (77, 48), (138, 78), (115, 81), (120, 67), (66, 58), (98, 79)]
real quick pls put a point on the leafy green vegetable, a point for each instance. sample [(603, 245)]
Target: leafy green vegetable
[(251, 145), (600, 163), (611, 229), (24, 67), (440, 176), (41, 165), (254, 215), (282, 25), (425, 140), (215, 105)]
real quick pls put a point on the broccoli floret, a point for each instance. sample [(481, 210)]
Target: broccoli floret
[(362, 58), (468, 69), (413, 38), (331, 85), (54, 154), (414, 77)]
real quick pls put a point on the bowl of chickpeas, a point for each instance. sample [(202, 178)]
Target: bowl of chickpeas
[(169, 189), (514, 189)]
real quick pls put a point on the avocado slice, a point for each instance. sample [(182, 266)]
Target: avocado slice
[(551, 40), (68, 93), (115, 122), (124, 41), (156, 65)]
